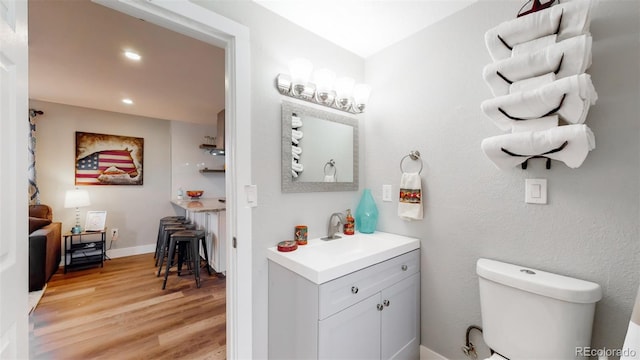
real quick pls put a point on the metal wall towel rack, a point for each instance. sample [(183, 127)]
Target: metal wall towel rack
[(414, 155), (541, 156)]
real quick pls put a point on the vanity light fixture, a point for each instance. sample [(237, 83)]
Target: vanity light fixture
[(342, 93)]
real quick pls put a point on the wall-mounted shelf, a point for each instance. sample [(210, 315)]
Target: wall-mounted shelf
[(205, 170), (212, 149)]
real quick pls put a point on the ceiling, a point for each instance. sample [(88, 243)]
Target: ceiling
[(76, 52), (364, 27), (76, 58)]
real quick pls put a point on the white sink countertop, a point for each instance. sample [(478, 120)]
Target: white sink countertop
[(320, 261)]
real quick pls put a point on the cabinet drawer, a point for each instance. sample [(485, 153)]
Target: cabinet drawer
[(352, 288)]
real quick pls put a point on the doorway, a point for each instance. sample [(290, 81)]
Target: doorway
[(197, 22)]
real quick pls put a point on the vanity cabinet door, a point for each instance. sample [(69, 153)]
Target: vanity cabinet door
[(353, 333), (400, 329)]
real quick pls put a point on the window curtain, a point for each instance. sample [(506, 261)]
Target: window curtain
[(34, 192)]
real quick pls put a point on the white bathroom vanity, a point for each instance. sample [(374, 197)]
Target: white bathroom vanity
[(354, 297)]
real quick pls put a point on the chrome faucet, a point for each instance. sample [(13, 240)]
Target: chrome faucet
[(333, 229)]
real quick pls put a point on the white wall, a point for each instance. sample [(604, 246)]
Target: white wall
[(135, 210), (426, 96), (187, 158)]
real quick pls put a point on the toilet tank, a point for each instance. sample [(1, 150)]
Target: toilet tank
[(532, 314)]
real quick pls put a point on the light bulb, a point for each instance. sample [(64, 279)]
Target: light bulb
[(324, 79), (344, 90), (361, 94), (300, 70)]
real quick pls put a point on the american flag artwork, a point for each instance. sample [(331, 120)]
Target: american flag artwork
[(108, 159)]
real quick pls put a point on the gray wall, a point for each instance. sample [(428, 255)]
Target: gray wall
[(275, 42), (426, 95)]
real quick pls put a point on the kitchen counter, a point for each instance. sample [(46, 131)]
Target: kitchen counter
[(201, 205)]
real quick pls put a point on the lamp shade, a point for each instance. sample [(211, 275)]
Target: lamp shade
[(76, 198)]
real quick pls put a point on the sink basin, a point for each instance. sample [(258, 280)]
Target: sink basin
[(320, 261)]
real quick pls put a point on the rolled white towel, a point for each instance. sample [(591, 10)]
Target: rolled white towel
[(296, 135), (565, 58), (296, 122), (534, 45), (296, 166), (569, 97), (541, 124), (567, 20), (532, 83), (549, 143)]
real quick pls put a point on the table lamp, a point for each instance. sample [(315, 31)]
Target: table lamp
[(76, 198)]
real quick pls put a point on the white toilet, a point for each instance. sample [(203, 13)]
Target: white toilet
[(532, 314)]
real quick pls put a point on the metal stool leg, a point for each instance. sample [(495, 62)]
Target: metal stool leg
[(172, 250)]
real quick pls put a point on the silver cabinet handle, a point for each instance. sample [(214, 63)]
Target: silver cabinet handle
[(354, 289), (380, 307), (404, 267), (386, 303)]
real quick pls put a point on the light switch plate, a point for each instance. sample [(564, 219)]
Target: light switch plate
[(251, 192), (535, 191), (386, 193)]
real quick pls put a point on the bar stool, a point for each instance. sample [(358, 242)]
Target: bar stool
[(168, 229), (190, 240), (175, 220)]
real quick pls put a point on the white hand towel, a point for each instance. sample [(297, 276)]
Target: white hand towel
[(579, 138), (410, 202), (566, 58), (569, 97), (541, 124), (329, 178), (532, 83), (296, 122), (567, 19), (533, 45)]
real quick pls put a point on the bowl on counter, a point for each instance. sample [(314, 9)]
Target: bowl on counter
[(195, 194)]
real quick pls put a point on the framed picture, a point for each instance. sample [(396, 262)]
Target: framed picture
[(95, 221), (103, 159)]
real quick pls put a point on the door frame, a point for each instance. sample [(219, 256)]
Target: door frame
[(203, 24)]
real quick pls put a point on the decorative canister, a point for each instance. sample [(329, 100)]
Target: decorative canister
[(286, 246), (366, 213), (301, 234)]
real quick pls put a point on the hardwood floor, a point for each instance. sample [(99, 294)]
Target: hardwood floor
[(121, 312)]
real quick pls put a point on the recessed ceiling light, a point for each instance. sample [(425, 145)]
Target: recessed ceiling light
[(132, 55), (127, 101)]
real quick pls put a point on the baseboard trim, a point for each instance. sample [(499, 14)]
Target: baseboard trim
[(129, 251), (428, 354)]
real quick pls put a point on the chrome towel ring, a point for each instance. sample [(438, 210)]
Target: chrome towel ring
[(414, 155), (332, 164)]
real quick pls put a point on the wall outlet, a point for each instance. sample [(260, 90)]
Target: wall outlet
[(114, 234)]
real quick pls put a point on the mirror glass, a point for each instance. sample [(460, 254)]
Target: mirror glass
[(319, 150)]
